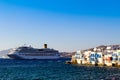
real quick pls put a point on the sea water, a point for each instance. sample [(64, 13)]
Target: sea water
[(53, 70)]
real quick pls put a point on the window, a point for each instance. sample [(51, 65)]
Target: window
[(92, 59), (119, 59)]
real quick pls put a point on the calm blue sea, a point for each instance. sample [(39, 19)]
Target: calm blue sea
[(52, 70)]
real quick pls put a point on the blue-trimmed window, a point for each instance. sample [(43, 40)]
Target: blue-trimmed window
[(119, 53), (92, 55), (92, 59), (114, 54), (97, 55), (114, 59)]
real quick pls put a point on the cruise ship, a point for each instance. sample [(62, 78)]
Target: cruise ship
[(25, 52)]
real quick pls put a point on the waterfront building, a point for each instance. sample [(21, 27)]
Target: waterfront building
[(73, 60), (108, 59), (96, 58), (92, 58), (118, 52), (114, 58), (86, 57), (101, 55), (79, 57)]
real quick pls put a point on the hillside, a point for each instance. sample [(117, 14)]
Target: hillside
[(3, 53)]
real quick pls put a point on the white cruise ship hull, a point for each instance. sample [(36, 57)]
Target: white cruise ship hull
[(25, 52), (15, 56)]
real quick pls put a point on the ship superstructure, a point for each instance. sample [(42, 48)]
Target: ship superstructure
[(26, 52)]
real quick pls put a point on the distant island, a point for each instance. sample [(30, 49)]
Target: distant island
[(67, 54)]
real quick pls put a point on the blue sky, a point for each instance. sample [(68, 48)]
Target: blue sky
[(66, 25)]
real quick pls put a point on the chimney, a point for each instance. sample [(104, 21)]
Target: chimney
[(45, 45)]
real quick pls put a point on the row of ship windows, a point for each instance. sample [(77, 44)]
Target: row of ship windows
[(38, 54), (38, 51)]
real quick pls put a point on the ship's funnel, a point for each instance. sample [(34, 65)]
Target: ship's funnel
[(45, 45)]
